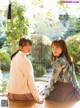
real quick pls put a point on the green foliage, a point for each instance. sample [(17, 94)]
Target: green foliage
[(78, 78), (2, 25), (19, 20), (78, 62), (64, 17), (77, 25), (4, 58), (2, 40), (17, 26), (46, 24), (3, 87), (74, 27), (41, 50), (73, 44), (39, 70), (2, 35), (36, 2)]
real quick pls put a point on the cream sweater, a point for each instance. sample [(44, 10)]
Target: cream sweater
[(21, 80)]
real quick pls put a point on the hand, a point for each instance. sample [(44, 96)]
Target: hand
[(40, 101), (43, 97)]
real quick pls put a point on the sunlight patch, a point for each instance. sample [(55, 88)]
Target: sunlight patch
[(77, 105)]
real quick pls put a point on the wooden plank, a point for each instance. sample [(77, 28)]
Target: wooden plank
[(33, 104), (46, 104)]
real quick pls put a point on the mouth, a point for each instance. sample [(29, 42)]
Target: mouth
[(54, 52), (29, 50)]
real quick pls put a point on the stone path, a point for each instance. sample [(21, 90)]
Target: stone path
[(46, 77), (41, 82)]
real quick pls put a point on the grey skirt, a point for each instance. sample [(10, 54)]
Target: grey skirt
[(64, 92)]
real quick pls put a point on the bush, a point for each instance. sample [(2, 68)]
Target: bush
[(5, 59), (39, 70), (73, 45), (41, 50)]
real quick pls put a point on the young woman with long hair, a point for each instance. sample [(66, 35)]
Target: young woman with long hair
[(63, 85)]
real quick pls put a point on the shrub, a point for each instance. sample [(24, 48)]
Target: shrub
[(41, 50), (73, 45), (39, 70), (5, 59)]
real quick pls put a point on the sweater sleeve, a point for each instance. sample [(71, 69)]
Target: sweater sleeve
[(32, 85), (30, 79)]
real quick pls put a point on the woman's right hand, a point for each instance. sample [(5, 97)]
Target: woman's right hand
[(40, 101)]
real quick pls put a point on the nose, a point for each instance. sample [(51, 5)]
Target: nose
[(29, 47)]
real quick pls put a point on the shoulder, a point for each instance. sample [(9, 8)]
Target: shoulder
[(27, 60), (23, 59), (61, 61)]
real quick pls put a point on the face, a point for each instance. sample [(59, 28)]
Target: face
[(56, 50), (26, 49)]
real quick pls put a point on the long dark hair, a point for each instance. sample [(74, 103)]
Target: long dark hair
[(22, 42), (61, 43)]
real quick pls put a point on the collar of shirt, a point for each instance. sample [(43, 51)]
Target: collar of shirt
[(22, 53)]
